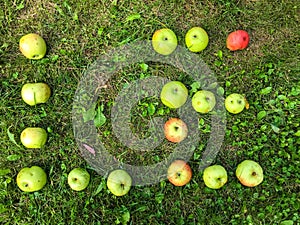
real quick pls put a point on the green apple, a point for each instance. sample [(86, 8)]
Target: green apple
[(179, 173), (35, 93), (174, 94), (164, 41), (33, 46), (78, 179), (33, 137), (175, 130), (203, 101), (235, 103), (119, 182), (215, 176), (249, 173), (196, 39), (31, 179)]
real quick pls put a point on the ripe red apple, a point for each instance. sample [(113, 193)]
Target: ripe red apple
[(179, 173), (237, 40), (175, 130)]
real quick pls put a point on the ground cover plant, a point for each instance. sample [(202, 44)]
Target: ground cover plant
[(76, 34)]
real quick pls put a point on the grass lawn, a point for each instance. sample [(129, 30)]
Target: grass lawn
[(79, 32)]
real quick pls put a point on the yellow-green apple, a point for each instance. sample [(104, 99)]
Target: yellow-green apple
[(33, 46), (203, 101), (174, 94), (78, 179), (35, 93), (235, 103), (31, 179), (175, 130), (33, 137), (196, 39), (215, 176), (237, 40), (179, 173), (164, 41), (119, 182), (249, 173)]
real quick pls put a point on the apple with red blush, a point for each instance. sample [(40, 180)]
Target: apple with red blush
[(175, 130), (237, 40)]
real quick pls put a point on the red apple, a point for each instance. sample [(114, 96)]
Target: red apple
[(175, 130), (179, 173), (237, 40)]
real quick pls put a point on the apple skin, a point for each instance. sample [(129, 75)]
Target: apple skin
[(164, 41), (215, 176), (33, 137), (78, 179), (175, 130), (235, 103), (179, 173), (203, 101), (31, 179), (33, 46), (174, 94), (196, 39), (119, 182), (249, 173), (237, 40), (35, 93)]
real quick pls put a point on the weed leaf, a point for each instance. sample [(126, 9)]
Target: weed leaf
[(4, 172), (11, 137), (100, 118), (261, 115), (266, 90), (133, 17)]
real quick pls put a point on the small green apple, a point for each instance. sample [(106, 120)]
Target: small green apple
[(33, 137), (33, 46), (179, 173), (249, 173), (215, 176), (78, 179), (203, 101), (175, 130), (174, 94), (196, 39), (31, 179), (35, 93), (235, 103), (119, 182), (164, 41)]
